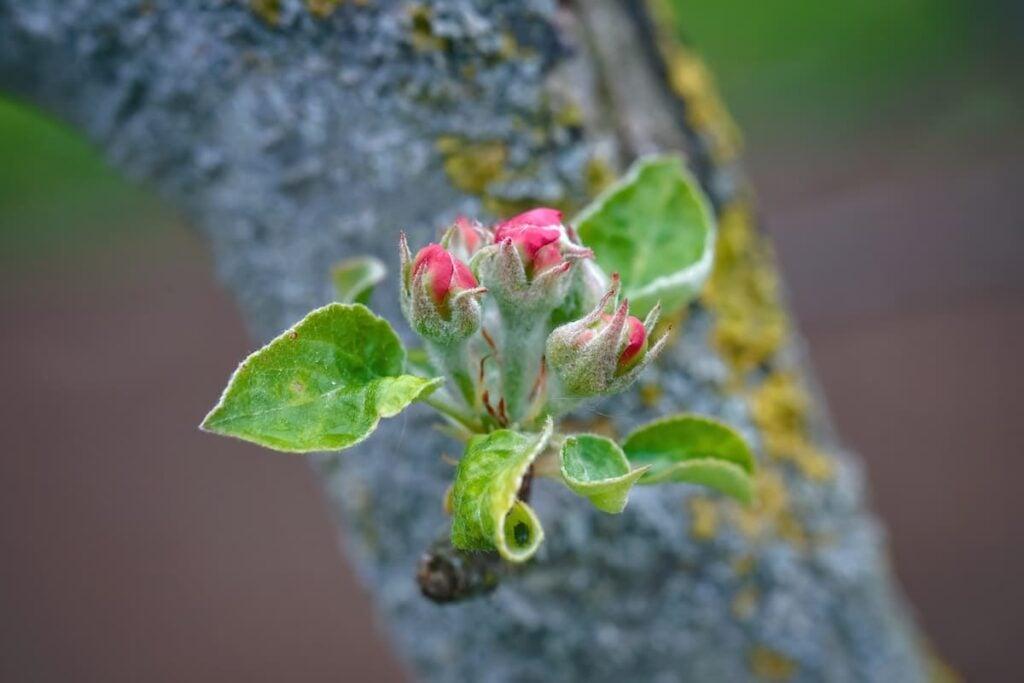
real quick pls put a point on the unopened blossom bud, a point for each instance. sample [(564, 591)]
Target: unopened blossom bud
[(527, 267), (465, 238), (439, 294), (541, 217), (602, 353), (540, 239)]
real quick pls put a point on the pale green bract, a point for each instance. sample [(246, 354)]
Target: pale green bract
[(695, 450), (323, 385), (355, 278), (597, 469), (655, 229), (486, 514)]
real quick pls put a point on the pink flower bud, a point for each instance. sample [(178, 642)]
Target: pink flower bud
[(636, 344), (442, 272), (439, 295), (540, 238), (537, 246), (465, 238), (528, 268), (540, 217), (602, 353)]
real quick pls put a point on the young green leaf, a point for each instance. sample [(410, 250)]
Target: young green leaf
[(696, 450), (355, 278), (654, 227), (322, 385), (486, 512), (596, 468)]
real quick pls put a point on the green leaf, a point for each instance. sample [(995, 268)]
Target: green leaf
[(654, 228), (355, 278), (695, 450), (322, 385), (596, 468), (487, 514)]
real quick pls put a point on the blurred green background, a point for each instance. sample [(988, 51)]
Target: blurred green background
[(884, 140), (839, 66)]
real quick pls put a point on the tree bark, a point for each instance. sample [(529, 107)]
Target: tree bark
[(294, 134)]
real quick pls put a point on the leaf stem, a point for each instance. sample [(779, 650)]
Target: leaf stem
[(464, 418), (453, 361), (548, 465)]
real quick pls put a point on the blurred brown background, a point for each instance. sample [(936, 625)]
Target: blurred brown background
[(886, 144)]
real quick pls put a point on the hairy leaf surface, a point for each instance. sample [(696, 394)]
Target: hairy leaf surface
[(655, 229), (322, 385), (597, 469), (486, 512)]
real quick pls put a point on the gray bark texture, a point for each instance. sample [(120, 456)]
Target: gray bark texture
[(294, 134)]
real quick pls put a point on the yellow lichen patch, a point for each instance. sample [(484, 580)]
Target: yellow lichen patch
[(470, 165), (703, 518), (771, 665), (690, 78), (509, 46), (569, 115), (770, 515), (650, 394), (422, 33), (744, 603), (597, 176), (813, 463), (267, 10), (743, 565), (938, 670), (790, 529), (749, 330), (743, 292), (692, 81), (779, 408), (321, 9)]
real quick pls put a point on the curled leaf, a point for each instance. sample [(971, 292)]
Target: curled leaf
[(322, 385), (487, 515), (695, 450), (597, 469), (655, 228), (355, 278)]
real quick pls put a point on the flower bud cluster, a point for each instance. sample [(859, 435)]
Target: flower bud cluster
[(536, 274)]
